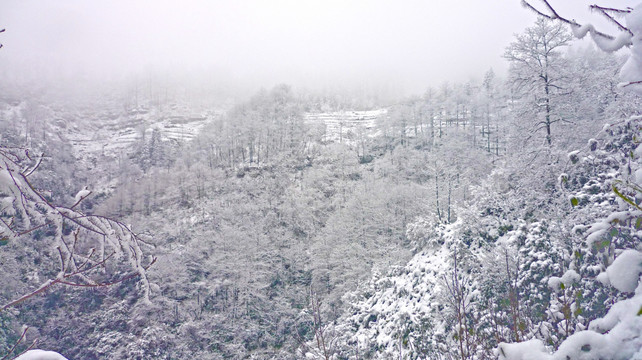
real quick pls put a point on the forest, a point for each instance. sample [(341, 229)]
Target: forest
[(496, 218)]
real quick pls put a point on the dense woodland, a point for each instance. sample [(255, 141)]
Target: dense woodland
[(467, 219)]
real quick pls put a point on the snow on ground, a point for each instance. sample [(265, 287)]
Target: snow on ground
[(110, 130), (110, 133), (346, 126)]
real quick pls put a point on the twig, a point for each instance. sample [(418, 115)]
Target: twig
[(33, 344), (631, 83), (15, 345), (604, 11)]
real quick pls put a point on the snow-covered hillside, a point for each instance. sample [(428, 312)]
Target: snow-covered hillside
[(106, 130), (346, 126), (393, 316), (111, 132)]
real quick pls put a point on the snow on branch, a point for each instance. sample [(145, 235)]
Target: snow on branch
[(605, 42), (608, 13), (85, 244), (630, 36)]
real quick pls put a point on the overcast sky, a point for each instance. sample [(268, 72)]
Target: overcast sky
[(410, 43)]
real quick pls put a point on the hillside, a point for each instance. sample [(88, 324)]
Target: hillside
[(191, 214)]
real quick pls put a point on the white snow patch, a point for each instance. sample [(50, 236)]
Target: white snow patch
[(528, 350), (624, 273), (569, 277), (40, 355)]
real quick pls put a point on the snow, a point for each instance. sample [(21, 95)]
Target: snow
[(82, 194), (5, 179), (603, 278), (40, 355), (596, 232), (638, 176), (624, 273), (607, 45), (619, 216), (569, 277), (6, 206), (615, 336), (600, 229), (634, 20), (620, 41), (528, 350), (573, 156), (115, 132), (621, 329), (631, 72), (345, 125), (619, 312), (638, 151), (8, 181), (584, 345)]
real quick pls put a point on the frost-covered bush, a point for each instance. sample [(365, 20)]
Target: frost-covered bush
[(614, 241), (609, 257)]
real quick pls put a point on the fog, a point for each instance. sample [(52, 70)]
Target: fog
[(402, 46)]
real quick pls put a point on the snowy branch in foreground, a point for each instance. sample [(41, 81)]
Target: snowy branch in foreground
[(579, 30), (85, 244), (629, 36)]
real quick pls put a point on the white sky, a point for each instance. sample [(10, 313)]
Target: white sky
[(409, 43)]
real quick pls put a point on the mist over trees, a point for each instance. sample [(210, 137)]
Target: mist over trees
[(485, 219)]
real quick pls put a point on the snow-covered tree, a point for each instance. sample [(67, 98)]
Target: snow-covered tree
[(536, 73)]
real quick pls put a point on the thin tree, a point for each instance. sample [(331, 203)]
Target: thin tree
[(536, 65)]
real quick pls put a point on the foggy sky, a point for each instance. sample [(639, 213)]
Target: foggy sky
[(410, 44)]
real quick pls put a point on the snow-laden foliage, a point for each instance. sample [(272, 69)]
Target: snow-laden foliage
[(608, 257), (396, 313)]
